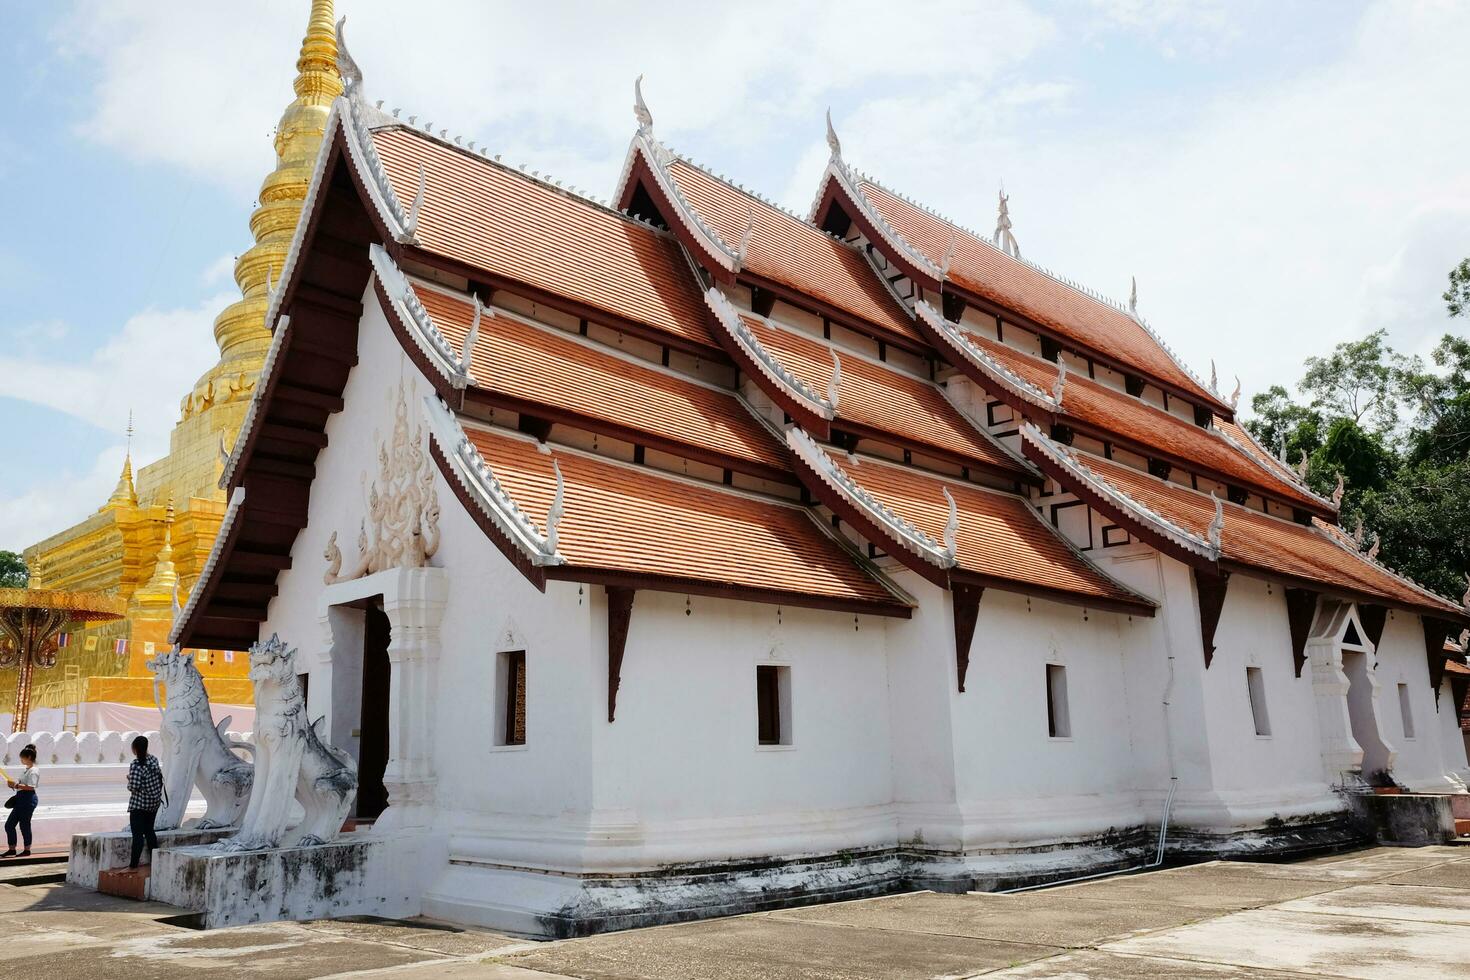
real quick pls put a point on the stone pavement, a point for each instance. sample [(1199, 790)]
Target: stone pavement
[(1383, 912)]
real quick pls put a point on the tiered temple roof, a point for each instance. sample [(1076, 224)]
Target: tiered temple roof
[(721, 398)]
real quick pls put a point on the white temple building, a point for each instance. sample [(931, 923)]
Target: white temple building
[(683, 556)]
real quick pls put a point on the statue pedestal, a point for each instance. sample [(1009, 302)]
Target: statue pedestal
[(364, 876), (92, 854)]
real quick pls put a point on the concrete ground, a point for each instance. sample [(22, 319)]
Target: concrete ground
[(1383, 912)]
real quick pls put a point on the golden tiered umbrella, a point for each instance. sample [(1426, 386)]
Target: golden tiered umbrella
[(31, 620)]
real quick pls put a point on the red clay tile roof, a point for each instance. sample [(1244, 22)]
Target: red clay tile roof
[(789, 251), (490, 218), (987, 272), (881, 398), (999, 536), (1270, 545), (1096, 405), (631, 520), (540, 366)]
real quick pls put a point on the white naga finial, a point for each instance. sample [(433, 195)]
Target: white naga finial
[(1057, 390), (1214, 378), (1004, 239), (1463, 643), (948, 258), (640, 108), (1217, 526), (347, 66), (1465, 599), (745, 235), (411, 223), (177, 609), (1301, 468), (558, 507), (1377, 543), (952, 525), (1133, 295), (472, 337), (833, 143), (269, 287), (1337, 491), (835, 384), (1235, 395), (1358, 532), (224, 452)]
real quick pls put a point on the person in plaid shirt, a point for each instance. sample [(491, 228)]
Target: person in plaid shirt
[(145, 796)]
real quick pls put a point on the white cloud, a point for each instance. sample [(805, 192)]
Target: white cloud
[(146, 368), (57, 499)]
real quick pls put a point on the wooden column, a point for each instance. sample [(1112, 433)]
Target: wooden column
[(619, 614), (1211, 587), (966, 612), (1301, 609)]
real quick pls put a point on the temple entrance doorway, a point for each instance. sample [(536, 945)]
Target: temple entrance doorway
[(1357, 665), (372, 745)]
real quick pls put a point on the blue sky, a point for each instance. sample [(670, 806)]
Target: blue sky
[(1278, 176)]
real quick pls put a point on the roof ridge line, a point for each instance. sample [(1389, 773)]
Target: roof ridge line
[(1072, 284), (1336, 535)]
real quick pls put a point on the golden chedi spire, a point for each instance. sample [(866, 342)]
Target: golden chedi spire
[(165, 577), (215, 408), (123, 495)]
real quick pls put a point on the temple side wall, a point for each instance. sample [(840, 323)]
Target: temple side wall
[(1419, 760)]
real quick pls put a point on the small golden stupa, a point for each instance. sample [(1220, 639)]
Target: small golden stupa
[(159, 529)]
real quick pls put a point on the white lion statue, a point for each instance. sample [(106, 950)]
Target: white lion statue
[(291, 762), (193, 751)]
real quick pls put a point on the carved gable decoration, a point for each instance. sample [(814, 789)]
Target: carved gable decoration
[(400, 527)]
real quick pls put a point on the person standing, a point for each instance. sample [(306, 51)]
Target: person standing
[(145, 795), (23, 803)]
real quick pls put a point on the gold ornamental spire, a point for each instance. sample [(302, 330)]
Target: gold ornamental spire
[(165, 577), (123, 495)]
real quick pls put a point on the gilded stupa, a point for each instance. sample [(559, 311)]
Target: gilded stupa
[(158, 530)]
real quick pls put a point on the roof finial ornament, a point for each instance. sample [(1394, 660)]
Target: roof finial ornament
[(558, 507), (746, 234), (1004, 239), (411, 222), (1214, 378), (640, 109), (1377, 543), (1301, 467), (833, 143), (269, 289), (470, 338), (1133, 296), (1463, 643), (1337, 492), (1217, 526), (347, 66), (1057, 390), (1465, 600), (1358, 533), (835, 383), (1235, 395), (224, 452), (948, 259), (952, 525)]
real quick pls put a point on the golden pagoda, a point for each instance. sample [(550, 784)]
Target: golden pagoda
[(159, 530)]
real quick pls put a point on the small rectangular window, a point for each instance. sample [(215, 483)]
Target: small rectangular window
[(1406, 711), (1255, 684), (773, 704), (510, 720), (1058, 717)]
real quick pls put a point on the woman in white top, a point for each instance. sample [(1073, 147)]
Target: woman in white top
[(23, 803)]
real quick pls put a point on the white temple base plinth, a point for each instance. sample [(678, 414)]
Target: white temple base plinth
[(357, 875), (91, 854)]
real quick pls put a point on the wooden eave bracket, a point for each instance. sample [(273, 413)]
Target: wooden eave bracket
[(1436, 631), (619, 616), (1301, 609), (966, 613), (1211, 587)]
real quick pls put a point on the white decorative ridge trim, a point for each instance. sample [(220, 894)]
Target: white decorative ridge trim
[(416, 318), (1340, 538), (915, 540), (660, 158), (1294, 479), (474, 474), (837, 170), (232, 514), (962, 345), (403, 224), (734, 324), (1072, 463), (257, 400)]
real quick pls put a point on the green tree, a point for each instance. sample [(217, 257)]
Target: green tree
[(1355, 381), (1457, 299), (13, 571), (1283, 426)]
